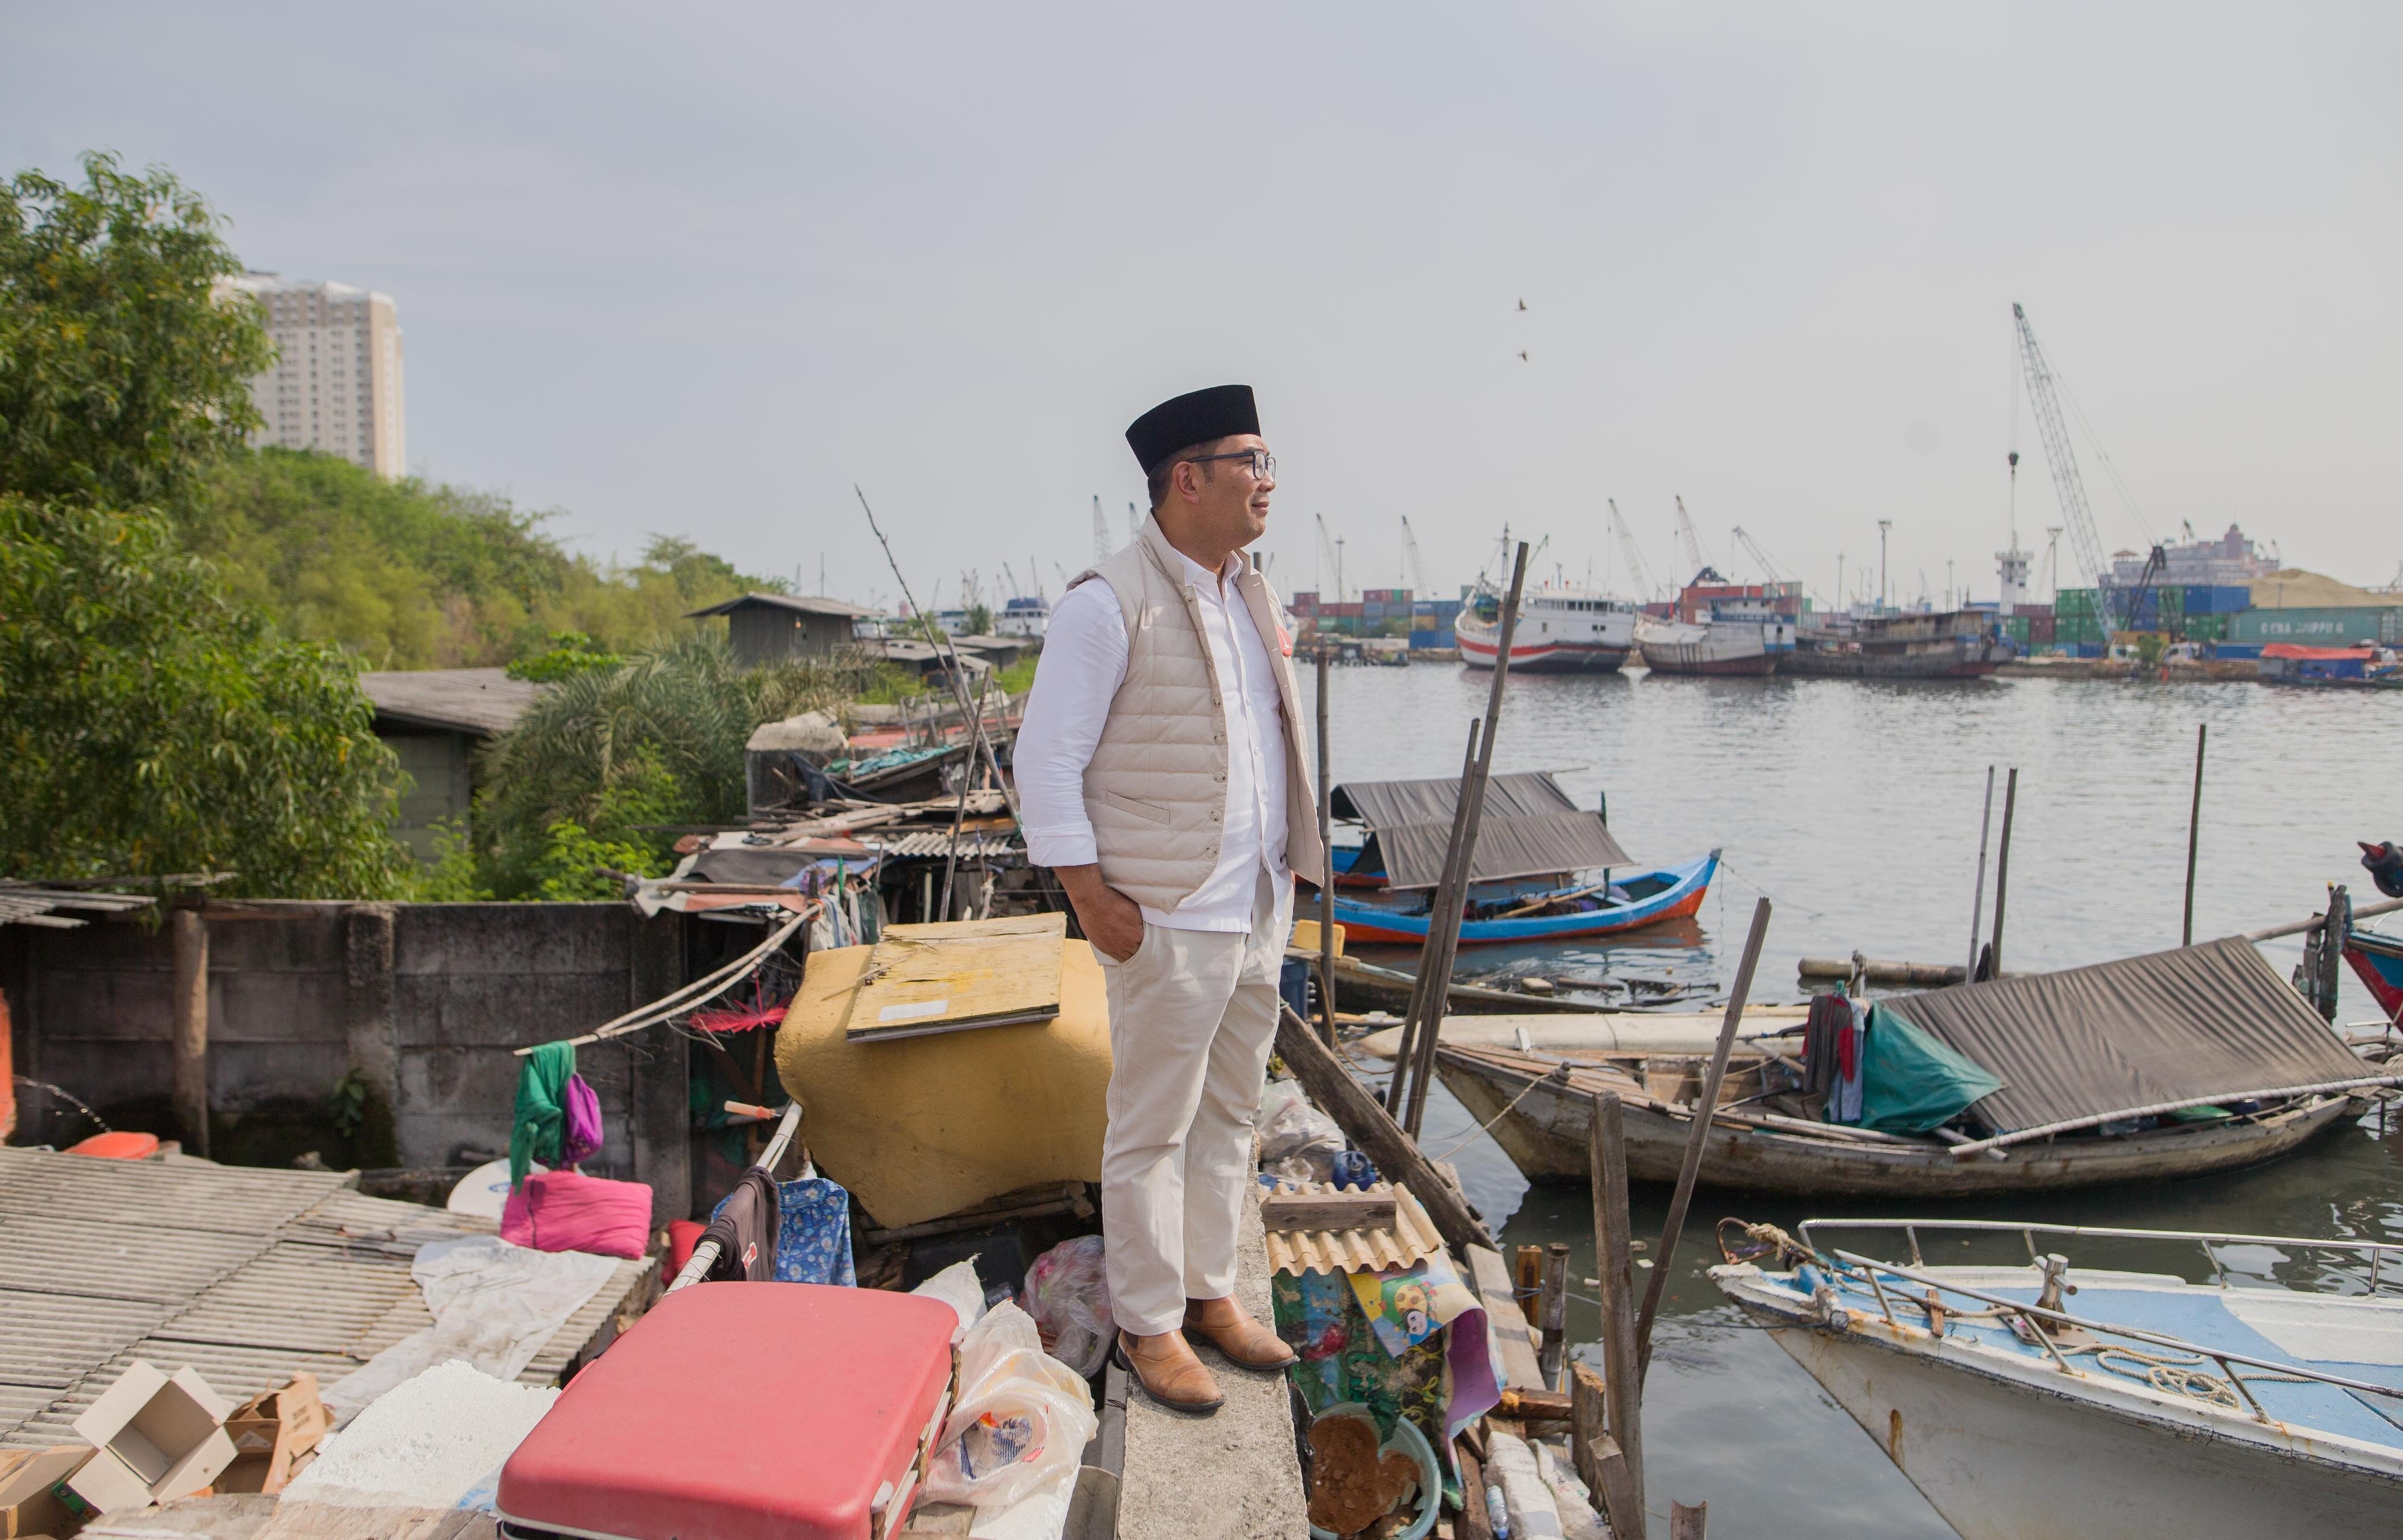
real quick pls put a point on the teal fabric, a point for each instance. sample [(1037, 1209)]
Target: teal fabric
[(542, 1109), (1912, 1083)]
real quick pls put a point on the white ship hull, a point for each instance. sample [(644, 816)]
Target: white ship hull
[(1713, 647)]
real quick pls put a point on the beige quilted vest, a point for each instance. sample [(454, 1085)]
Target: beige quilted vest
[(1155, 789)]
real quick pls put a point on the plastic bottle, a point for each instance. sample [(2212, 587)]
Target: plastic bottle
[(1497, 1513)]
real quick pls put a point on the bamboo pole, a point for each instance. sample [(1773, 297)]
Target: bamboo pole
[(1978, 904), (1327, 857), (2003, 870), (1407, 1057), (2316, 921), (190, 1039), (1705, 1108), (1438, 989), (1614, 1253), (2193, 833)]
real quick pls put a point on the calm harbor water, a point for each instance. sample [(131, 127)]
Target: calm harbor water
[(1854, 807)]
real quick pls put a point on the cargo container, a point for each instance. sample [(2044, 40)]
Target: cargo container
[(2040, 629), (2217, 599), (2204, 627), (1385, 596), (2235, 651), (1443, 638), (2320, 628)]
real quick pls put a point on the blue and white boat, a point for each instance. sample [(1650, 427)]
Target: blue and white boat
[(2262, 1398)]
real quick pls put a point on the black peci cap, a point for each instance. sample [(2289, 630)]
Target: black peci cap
[(1194, 418)]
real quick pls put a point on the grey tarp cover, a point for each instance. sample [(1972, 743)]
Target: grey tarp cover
[(1530, 828), (2197, 1024)]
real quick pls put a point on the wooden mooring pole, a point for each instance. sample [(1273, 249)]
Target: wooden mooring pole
[(2002, 872), (1446, 896), (1688, 1521), (188, 1037), (1705, 1108), (1554, 1323), (1978, 904), (1436, 965), (1606, 1428), (1326, 854), (2194, 833)]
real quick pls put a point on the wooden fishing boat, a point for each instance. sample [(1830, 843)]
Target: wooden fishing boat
[(1541, 1106), (1618, 903), (1360, 985), (2178, 1064), (1732, 646), (1959, 645), (2152, 1406), (2378, 959), (1560, 631)]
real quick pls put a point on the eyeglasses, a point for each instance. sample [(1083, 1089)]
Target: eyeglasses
[(1263, 463)]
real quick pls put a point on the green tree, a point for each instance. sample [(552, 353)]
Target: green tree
[(611, 753), (124, 369), (416, 575), (149, 726)]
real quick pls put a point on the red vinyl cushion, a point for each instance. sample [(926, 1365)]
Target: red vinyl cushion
[(739, 1411)]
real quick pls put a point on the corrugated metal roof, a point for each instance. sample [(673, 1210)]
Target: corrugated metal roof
[(1412, 1236), (482, 701), (250, 1276)]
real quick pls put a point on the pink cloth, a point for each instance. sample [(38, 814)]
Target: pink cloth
[(567, 1211)]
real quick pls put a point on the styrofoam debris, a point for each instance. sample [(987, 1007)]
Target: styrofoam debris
[(425, 1443)]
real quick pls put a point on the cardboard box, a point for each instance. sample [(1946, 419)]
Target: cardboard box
[(155, 1435), (29, 1490), (273, 1433)]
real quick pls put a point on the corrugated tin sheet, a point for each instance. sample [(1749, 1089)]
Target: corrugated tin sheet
[(1530, 828), (1412, 1236), (249, 1276)]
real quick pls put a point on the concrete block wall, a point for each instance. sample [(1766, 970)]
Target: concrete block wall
[(421, 1002)]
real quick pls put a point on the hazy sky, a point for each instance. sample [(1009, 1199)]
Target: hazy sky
[(699, 269)]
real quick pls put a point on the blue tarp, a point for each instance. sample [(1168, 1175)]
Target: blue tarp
[(1912, 1083)]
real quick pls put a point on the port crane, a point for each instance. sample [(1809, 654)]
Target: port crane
[(1413, 570), (1102, 547), (1772, 569), (1692, 542), (2085, 541), (1331, 559), (1636, 571)]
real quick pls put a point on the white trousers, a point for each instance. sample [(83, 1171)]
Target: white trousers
[(1192, 1017)]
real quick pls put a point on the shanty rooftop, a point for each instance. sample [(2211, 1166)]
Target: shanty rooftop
[(479, 702), (249, 1275), (1530, 828)]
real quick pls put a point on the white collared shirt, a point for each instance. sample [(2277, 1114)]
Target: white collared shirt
[(1084, 663)]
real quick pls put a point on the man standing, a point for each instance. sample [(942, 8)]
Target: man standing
[(1160, 771)]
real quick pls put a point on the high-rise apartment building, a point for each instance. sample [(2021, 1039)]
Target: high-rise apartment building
[(336, 383)]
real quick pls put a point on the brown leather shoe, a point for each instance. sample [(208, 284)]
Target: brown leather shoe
[(1224, 1325), (1169, 1373)]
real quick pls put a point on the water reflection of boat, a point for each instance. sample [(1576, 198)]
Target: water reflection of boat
[(2150, 1406), (2174, 1065)]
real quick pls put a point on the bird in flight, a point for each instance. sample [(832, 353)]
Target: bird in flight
[(1522, 355), (1522, 304)]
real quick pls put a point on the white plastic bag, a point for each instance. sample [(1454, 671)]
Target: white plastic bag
[(1022, 1416), (1578, 1520), (1068, 1294), (959, 1287), (1297, 1136)]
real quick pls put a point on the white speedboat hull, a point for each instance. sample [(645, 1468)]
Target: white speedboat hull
[(2015, 1450)]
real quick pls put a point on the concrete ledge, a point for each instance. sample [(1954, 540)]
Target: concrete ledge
[(1234, 1473)]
